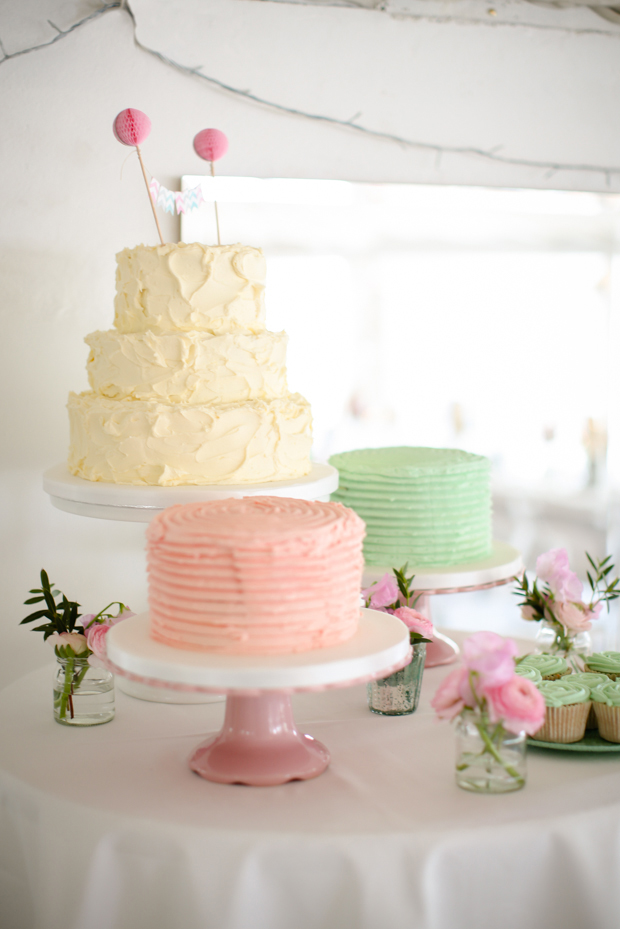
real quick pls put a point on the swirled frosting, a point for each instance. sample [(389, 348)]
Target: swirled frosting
[(607, 662), (564, 692), (546, 664), (590, 678), (529, 673), (427, 506), (608, 693), (263, 575)]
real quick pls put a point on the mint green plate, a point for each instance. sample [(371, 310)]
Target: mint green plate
[(591, 742)]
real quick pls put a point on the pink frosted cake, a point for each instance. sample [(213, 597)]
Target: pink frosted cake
[(260, 575)]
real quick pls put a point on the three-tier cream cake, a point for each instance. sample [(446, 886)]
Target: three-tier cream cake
[(189, 387)]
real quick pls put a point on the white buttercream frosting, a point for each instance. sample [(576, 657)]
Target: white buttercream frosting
[(150, 442), (189, 388), (188, 367), (190, 287)]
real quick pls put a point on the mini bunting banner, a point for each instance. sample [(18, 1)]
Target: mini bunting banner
[(169, 200)]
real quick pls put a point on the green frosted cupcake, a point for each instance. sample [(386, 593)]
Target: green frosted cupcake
[(530, 674), (606, 703), (606, 663), (551, 667), (568, 705), (592, 680)]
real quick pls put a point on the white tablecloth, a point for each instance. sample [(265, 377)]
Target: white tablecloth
[(107, 828)]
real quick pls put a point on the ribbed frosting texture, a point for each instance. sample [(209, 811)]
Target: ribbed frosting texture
[(427, 506), (189, 388), (258, 575)]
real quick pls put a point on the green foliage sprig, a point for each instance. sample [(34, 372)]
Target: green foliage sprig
[(61, 616), (539, 597), (603, 590), (404, 586)]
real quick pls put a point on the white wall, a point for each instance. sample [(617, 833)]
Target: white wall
[(545, 91)]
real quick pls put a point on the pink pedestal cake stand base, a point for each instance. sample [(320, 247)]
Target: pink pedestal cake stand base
[(259, 743)]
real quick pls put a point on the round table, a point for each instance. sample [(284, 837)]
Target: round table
[(107, 828)]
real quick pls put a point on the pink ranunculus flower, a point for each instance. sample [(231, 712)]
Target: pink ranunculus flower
[(518, 704), (123, 614), (448, 701), (576, 617), (553, 568), (415, 621), (86, 620), (491, 656), (96, 640), (383, 593)]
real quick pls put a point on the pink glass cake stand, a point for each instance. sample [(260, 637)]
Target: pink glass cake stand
[(259, 743), (499, 568)]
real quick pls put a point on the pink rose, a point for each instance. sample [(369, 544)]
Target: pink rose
[(86, 620), (552, 567), (491, 656), (96, 640), (576, 617), (382, 593), (528, 613), (415, 621), (448, 700), (75, 639), (518, 704)]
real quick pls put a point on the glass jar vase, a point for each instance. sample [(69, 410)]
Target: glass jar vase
[(489, 759), (83, 696), (398, 694), (553, 639)]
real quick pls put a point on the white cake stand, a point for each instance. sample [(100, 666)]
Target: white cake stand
[(259, 743), (499, 568), (138, 503)]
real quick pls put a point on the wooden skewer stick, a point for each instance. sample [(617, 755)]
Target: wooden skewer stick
[(146, 181), (217, 219)]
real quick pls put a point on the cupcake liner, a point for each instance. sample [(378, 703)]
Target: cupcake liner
[(564, 723), (608, 719)]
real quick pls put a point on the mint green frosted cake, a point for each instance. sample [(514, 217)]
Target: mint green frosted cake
[(429, 507)]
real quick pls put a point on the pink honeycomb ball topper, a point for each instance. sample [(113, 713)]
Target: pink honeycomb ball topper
[(210, 144), (131, 127)]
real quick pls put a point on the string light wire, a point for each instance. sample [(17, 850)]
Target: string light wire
[(491, 155)]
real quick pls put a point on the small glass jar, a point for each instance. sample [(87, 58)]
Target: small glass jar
[(83, 696), (552, 639), (489, 760), (398, 694)]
